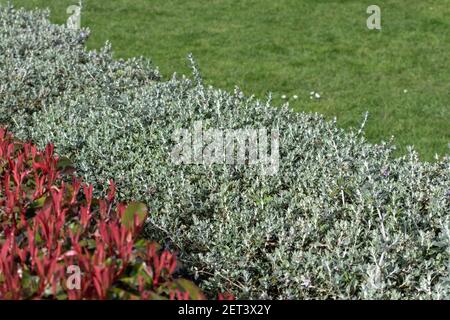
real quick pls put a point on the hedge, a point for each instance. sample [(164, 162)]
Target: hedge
[(58, 242), (342, 218)]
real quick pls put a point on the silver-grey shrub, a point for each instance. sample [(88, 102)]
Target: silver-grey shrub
[(40, 62), (342, 218)]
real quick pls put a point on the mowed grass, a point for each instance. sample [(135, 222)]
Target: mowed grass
[(400, 75)]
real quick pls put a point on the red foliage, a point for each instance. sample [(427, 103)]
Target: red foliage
[(52, 232)]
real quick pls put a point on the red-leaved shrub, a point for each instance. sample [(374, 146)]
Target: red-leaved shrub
[(58, 242)]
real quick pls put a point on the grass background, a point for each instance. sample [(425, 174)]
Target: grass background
[(293, 47)]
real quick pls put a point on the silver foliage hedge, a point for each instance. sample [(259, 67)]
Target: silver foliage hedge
[(40, 62), (342, 218)]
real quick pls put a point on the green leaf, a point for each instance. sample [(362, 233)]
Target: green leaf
[(133, 209), (65, 166), (188, 286), (39, 203)]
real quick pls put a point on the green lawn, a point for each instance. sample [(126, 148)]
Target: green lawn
[(401, 74)]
